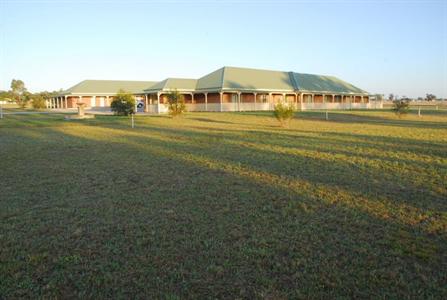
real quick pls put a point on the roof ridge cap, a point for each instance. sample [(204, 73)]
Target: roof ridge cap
[(223, 77), (293, 80)]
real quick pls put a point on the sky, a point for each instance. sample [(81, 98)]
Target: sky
[(383, 47)]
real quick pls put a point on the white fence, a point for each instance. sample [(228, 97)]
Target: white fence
[(230, 107), (234, 107), (370, 105)]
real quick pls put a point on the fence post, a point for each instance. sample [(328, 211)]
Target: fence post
[(327, 116), (1, 111), (133, 122), (419, 112)]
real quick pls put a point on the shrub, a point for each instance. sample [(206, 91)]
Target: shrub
[(123, 104), (176, 103), (284, 113), (401, 107), (38, 102), (23, 100)]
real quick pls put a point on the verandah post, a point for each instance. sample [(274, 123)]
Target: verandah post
[(255, 94), (146, 107), (302, 101), (239, 101)]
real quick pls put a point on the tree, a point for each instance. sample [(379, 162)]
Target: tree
[(176, 103), (6, 96), (18, 90), (284, 113), (401, 107), (430, 97), (123, 104), (38, 101), (391, 97)]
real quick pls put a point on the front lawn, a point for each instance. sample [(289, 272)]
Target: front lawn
[(224, 205)]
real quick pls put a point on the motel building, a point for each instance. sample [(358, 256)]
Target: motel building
[(224, 90)]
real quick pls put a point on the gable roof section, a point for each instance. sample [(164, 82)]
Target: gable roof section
[(181, 84), (211, 81), (232, 78), (108, 87), (254, 79), (320, 83)]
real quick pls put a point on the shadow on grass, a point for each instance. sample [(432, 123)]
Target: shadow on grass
[(209, 120), (344, 117), (354, 175), (361, 175), (175, 212)]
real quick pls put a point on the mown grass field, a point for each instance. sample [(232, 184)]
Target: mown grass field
[(217, 205)]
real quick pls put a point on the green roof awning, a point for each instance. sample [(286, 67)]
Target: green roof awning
[(108, 87), (320, 83), (181, 84)]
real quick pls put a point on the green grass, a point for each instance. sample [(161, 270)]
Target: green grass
[(221, 205)]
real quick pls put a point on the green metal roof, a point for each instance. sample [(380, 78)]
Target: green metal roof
[(184, 84), (108, 87), (224, 79), (252, 79), (232, 78), (320, 83), (211, 81)]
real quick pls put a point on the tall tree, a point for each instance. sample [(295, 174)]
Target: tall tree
[(18, 90), (430, 97), (391, 97)]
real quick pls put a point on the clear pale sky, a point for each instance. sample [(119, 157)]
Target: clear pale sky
[(383, 47)]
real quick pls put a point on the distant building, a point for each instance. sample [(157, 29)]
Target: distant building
[(226, 89)]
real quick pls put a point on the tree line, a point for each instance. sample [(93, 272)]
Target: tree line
[(428, 97), (20, 95)]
